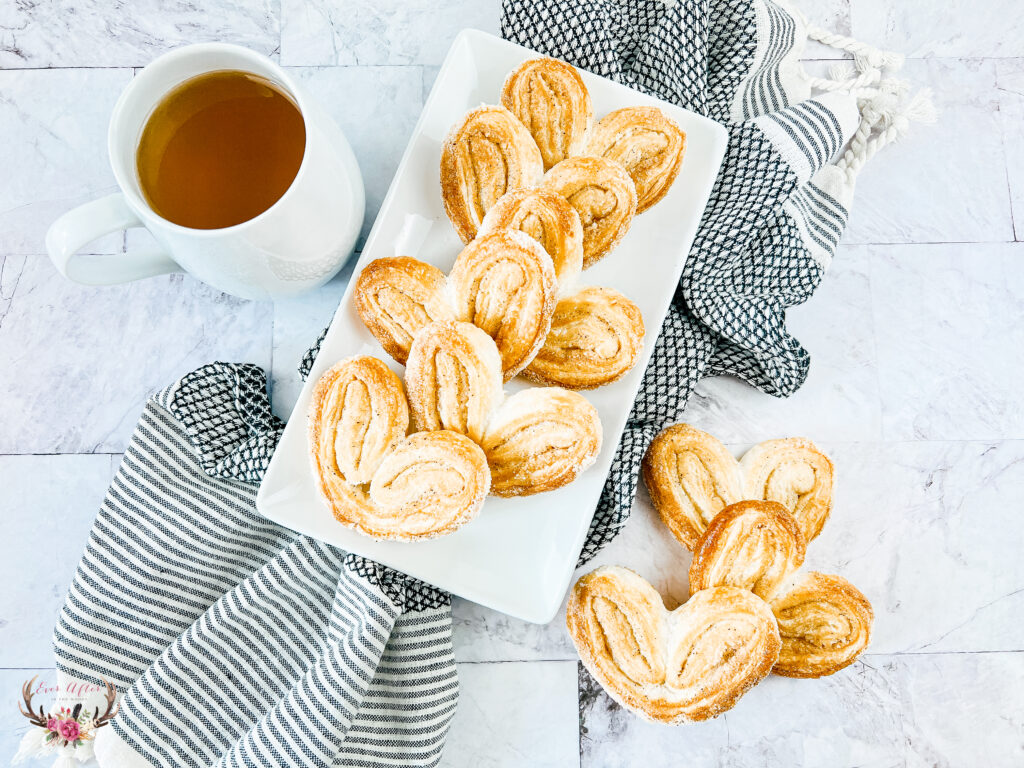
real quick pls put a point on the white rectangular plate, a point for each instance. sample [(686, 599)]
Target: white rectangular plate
[(518, 555)]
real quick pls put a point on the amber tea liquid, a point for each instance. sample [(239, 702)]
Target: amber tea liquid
[(220, 149)]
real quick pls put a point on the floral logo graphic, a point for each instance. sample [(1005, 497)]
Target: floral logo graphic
[(66, 729)]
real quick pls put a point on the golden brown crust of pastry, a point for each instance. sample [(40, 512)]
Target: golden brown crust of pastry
[(794, 473), (645, 142), (825, 624), (540, 439), (504, 283), (596, 336), (453, 376), (691, 477), (688, 665), (753, 545), (547, 218), (549, 98), (603, 195), (430, 484), (486, 154), (396, 297)]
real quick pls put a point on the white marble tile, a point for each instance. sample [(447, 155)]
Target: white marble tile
[(480, 634), (12, 724), (298, 323), (515, 714), (90, 33), (48, 505), (832, 16), (54, 152), (77, 363), (1010, 81), (318, 32), (948, 340), (839, 400), (944, 182), (922, 710), (963, 28)]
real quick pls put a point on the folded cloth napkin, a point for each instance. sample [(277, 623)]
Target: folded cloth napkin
[(237, 642)]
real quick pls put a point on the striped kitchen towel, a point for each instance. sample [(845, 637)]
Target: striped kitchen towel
[(237, 642)]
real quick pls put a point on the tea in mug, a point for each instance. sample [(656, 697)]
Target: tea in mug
[(220, 149)]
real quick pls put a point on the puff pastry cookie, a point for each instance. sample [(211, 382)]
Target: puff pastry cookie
[(691, 477), (550, 99), (547, 218), (686, 665), (603, 195), (454, 378), (396, 297), (645, 142), (540, 439), (504, 282), (596, 336), (485, 155)]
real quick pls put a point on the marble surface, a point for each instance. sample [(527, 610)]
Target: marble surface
[(915, 341)]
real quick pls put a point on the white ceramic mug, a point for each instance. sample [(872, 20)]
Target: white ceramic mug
[(298, 243)]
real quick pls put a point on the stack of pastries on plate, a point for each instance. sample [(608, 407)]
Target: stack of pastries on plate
[(537, 193), (751, 610)]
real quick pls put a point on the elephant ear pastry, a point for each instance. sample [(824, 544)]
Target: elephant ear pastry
[(550, 220), (794, 473), (549, 98), (603, 195), (396, 297), (596, 336), (645, 142), (691, 477), (429, 485), (540, 439), (504, 283), (685, 666), (488, 153), (753, 545), (454, 379), (825, 624)]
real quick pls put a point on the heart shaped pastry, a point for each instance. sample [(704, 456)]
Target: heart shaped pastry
[(488, 153), (645, 142), (540, 439), (686, 665), (824, 621), (691, 477), (504, 283)]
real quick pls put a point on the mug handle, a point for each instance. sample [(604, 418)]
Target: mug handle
[(82, 225)]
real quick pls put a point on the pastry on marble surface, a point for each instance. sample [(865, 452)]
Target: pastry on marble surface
[(453, 377), (549, 98), (603, 195), (645, 142), (686, 665), (395, 297), (429, 485), (825, 624), (504, 282), (794, 473), (486, 154), (596, 336), (753, 545), (691, 477), (357, 414), (547, 218), (540, 439)]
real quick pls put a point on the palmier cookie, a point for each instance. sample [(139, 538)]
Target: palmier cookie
[(603, 195), (596, 337), (549, 98), (504, 282), (488, 153), (645, 142), (396, 297)]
